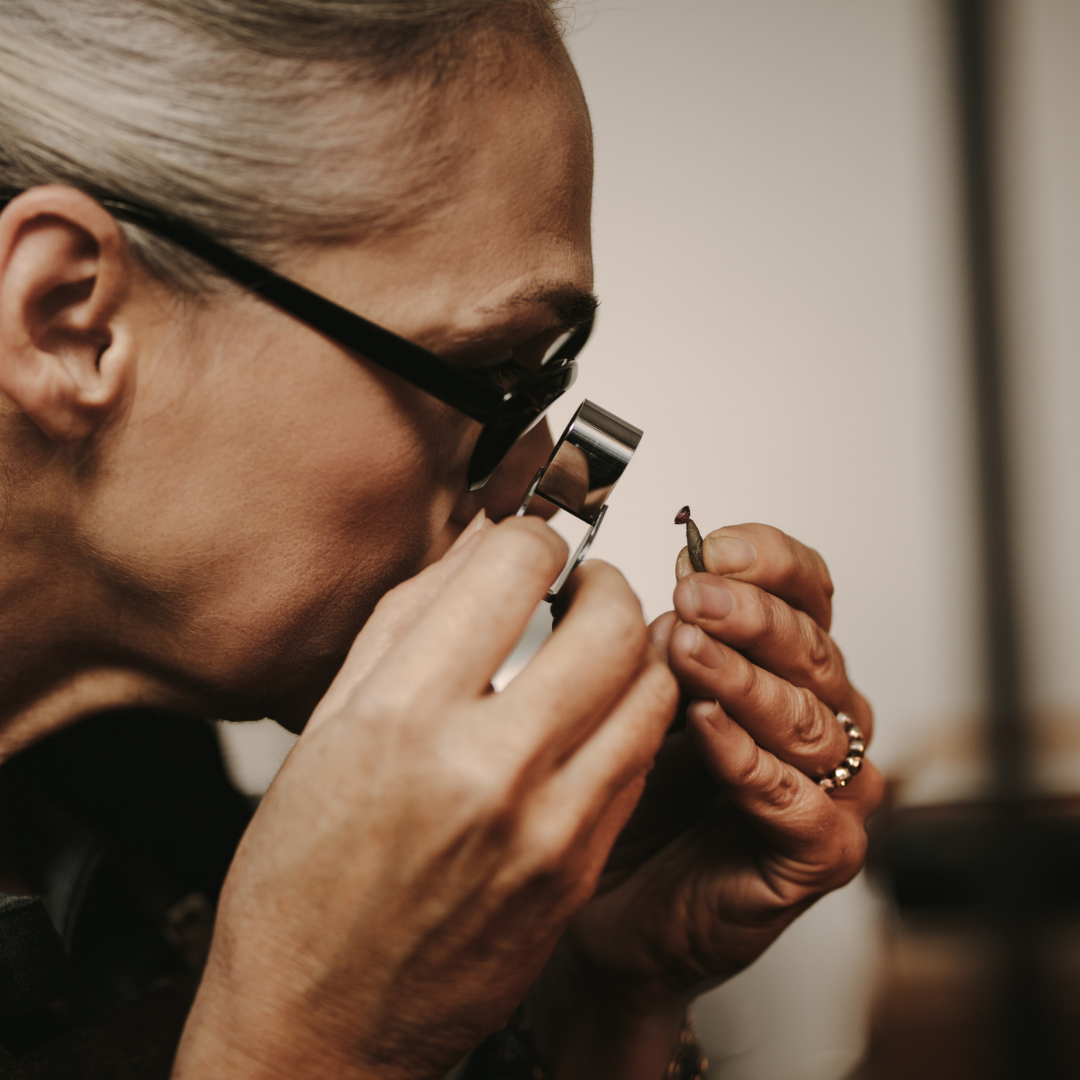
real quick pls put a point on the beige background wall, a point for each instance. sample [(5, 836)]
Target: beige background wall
[(776, 259)]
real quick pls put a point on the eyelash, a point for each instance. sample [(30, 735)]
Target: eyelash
[(504, 374), (523, 360)]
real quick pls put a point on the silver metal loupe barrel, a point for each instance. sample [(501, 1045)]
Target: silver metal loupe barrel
[(586, 464)]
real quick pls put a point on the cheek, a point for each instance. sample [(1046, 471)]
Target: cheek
[(273, 500), (386, 474), (363, 503), (395, 483)]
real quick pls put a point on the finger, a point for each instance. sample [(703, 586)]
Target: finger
[(770, 632), (660, 630), (773, 561), (589, 799), (623, 746), (789, 721), (821, 838), (678, 793), (595, 652), (726, 749), (394, 614), (466, 632)]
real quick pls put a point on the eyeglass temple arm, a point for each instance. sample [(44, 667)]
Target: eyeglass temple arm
[(380, 346)]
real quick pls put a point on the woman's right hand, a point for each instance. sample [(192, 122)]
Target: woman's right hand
[(427, 841)]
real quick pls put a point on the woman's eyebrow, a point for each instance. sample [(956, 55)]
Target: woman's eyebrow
[(571, 304)]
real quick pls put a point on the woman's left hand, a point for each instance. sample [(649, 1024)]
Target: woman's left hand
[(733, 837)]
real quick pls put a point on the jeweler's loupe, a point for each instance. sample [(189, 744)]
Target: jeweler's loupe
[(586, 464)]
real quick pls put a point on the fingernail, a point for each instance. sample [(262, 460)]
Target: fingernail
[(682, 565), (470, 530), (711, 601), (701, 643), (709, 712), (728, 554)]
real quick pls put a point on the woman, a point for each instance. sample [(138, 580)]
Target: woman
[(212, 507)]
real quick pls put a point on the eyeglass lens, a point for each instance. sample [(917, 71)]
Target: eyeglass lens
[(522, 407)]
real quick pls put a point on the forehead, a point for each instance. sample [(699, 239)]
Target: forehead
[(523, 123), (507, 229), (520, 153), (520, 169)]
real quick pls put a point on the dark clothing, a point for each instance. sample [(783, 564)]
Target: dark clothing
[(126, 824)]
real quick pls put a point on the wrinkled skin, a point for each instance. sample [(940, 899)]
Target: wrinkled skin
[(732, 839), (205, 503), (427, 841)]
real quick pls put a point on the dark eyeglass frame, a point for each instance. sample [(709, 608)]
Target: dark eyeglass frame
[(506, 415)]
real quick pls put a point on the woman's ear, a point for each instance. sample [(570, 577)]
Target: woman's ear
[(66, 359)]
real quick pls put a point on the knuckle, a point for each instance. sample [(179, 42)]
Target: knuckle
[(819, 570), (764, 536), (474, 783), (813, 725), (746, 773), (767, 618), (784, 791), (790, 562), (823, 664), (746, 679), (776, 786), (819, 651), (547, 845), (484, 788), (827, 586), (800, 567), (812, 566), (849, 858), (496, 814)]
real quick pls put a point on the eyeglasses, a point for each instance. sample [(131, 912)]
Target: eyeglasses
[(589, 457), (506, 414)]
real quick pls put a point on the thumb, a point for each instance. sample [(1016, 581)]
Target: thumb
[(394, 615)]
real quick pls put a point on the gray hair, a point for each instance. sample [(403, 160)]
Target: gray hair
[(243, 117)]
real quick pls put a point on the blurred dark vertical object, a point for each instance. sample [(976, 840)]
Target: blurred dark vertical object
[(1026, 1027)]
